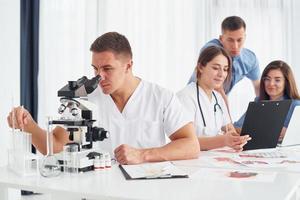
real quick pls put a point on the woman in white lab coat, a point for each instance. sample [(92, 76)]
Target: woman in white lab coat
[(206, 106)]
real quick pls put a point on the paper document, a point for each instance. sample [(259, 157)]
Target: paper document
[(152, 171), (287, 159), (235, 175)]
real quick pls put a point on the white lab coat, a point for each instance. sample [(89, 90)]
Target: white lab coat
[(214, 120), (150, 114)]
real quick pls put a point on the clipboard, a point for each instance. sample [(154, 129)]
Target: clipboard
[(263, 122), (160, 176)]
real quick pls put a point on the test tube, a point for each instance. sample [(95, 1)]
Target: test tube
[(27, 138), (13, 124), (49, 138), (22, 109), (107, 160)]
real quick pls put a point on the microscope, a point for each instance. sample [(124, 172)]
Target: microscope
[(76, 117)]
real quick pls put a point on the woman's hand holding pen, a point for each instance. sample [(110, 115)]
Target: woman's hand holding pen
[(234, 140)]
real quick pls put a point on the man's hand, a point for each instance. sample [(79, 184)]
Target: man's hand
[(126, 154), (19, 118)]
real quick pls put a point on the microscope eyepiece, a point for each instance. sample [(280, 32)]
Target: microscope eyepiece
[(80, 88)]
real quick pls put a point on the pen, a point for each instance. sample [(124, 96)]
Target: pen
[(165, 176)]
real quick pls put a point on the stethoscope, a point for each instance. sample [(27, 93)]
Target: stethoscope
[(217, 105)]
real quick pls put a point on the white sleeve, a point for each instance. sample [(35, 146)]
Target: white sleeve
[(188, 105), (175, 116), (191, 108)]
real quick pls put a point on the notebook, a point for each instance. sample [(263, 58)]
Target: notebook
[(292, 134), (263, 122)]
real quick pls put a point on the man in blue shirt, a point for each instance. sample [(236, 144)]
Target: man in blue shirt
[(244, 62)]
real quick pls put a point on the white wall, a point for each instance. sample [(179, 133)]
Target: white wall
[(165, 37), (295, 37), (10, 65)]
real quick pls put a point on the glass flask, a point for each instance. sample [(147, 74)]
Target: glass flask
[(50, 166)]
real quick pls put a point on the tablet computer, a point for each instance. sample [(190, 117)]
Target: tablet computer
[(292, 134)]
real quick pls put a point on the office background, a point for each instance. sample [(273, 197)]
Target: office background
[(166, 37)]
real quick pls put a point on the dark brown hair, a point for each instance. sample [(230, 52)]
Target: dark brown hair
[(209, 54), (233, 23), (290, 87), (114, 42)]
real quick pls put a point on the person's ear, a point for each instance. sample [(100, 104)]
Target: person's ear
[(200, 68), (221, 38), (129, 66)]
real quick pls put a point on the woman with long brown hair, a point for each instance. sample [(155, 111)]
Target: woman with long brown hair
[(277, 83), (206, 106)]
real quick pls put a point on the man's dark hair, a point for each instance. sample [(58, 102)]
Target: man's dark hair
[(114, 42), (233, 23)]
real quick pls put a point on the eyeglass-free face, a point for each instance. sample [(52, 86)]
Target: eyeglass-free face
[(112, 69), (233, 41), (214, 73)]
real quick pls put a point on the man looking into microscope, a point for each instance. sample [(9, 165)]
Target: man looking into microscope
[(138, 114)]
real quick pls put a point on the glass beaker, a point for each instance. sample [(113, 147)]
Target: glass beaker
[(50, 166), (71, 158), (20, 158)]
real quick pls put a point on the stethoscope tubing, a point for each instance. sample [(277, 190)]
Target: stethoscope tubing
[(199, 105)]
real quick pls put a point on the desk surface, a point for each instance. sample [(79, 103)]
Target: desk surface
[(112, 185)]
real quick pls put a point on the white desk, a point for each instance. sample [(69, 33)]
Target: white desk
[(112, 185)]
